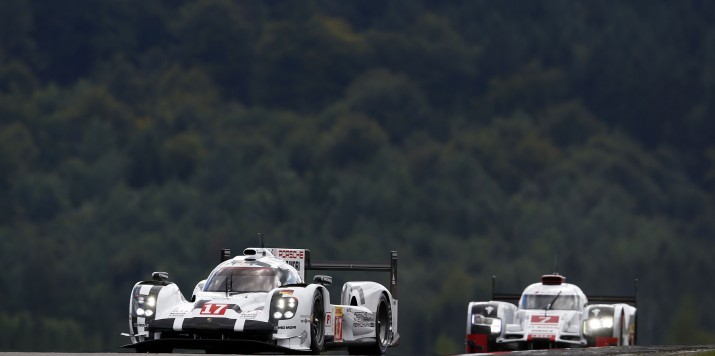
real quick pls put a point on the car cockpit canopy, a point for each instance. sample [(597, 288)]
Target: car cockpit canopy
[(247, 278)]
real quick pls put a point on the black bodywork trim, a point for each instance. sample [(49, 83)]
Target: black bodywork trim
[(198, 325), (208, 345), (365, 267)]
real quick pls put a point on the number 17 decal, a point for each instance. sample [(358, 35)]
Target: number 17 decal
[(214, 309)]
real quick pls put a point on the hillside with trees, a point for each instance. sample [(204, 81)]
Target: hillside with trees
[(476, 138)]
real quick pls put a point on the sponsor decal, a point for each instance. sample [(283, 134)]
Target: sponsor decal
[(293, 257), (329, 319), (287, 327), (249, 315), (543, 319), (291, 254), (364, 320), (544, 326), (338, 331), (294, 264), (213, 309), (287, 292), (551, 337)]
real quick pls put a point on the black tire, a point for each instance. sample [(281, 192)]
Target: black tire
[(162, 350), (622, 337), (383, 331), (633, 330), (317, 324)]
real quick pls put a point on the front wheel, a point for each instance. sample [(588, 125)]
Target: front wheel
[(317, 324)]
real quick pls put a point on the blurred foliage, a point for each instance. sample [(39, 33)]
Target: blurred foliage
[(477, 138)]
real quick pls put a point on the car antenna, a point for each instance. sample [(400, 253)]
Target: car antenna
[(261, 241), (556, 264)]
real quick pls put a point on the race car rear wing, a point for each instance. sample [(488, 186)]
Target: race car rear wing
[(366, 267), (592, 299)]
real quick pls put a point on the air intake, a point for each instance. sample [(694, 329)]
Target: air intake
[(552, 279)]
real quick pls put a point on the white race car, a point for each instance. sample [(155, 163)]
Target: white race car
[(550, 314), (259, 302)]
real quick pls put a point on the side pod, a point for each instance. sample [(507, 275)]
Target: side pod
[(486, 321)]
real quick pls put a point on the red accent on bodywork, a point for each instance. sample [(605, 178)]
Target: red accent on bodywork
[(606, 341), (541, 337), (552, 279), (476, 343), (539, 319)]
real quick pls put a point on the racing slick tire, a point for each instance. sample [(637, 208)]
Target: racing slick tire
[(317, 324), (622, 336), (632, 331), (383, 322)]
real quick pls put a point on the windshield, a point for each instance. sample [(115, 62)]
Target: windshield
[(542, 301), (244, 279)]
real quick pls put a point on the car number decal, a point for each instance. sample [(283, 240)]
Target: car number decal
[(540, 319), (214, 309)]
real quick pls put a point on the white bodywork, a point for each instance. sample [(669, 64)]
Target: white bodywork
[(549, 314), (280, 317)]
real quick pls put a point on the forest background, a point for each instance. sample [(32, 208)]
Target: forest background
[(476, 138)]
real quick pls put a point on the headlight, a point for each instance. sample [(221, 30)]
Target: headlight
[(145, 305), (284, 307), (596, 324), (496, 326), (493, 323)]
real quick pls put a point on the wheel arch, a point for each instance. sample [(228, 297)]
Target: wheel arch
[(365, 294)]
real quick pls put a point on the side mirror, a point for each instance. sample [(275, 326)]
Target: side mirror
[(323, 280), (160, 277)]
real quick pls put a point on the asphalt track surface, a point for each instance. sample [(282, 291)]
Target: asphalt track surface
[(618, 350), (592, 351)]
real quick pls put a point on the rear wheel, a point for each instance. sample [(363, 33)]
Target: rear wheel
[(632, 330), (317, 324), (623, 336), (383, 331)]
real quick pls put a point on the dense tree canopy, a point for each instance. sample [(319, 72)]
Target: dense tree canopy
[(477, 138)]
